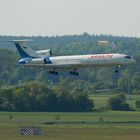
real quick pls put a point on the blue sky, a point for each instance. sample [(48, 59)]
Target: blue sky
[(64, 17)]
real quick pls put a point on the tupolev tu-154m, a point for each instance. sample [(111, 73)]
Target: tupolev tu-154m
[(44, 58)]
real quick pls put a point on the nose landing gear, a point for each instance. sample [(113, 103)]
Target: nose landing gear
[(116, 69)]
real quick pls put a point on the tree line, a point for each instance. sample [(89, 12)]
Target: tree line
[(38, 96)]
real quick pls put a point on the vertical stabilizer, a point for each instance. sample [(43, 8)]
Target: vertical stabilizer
[(24, 50)]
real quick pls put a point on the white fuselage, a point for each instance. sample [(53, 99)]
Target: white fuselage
[(87, 60)]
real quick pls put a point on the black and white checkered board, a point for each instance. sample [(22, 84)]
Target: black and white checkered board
[(30, 130)]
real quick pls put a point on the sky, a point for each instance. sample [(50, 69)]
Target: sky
[(68, 17)]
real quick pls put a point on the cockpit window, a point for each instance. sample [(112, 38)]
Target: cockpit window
[(128, 57)]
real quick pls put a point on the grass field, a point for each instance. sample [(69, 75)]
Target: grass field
[(73, 126), (100, 100)]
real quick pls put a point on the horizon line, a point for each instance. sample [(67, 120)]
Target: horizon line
[(61, 35)]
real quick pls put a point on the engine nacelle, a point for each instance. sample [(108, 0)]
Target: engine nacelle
[(44, 53)]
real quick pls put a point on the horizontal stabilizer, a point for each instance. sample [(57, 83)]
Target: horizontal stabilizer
[(19, 41)]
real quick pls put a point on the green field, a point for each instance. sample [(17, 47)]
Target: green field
[(73, 126), (100, 100)]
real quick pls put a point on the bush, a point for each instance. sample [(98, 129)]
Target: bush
[(138, 104), (118, 103)]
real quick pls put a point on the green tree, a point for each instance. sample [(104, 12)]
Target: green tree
[(123, 83), (136, 81), (118, 103), (6, 100)]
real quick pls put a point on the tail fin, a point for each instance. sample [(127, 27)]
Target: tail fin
[(23, 49)]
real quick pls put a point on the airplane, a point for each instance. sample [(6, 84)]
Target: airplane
[(44, 58)]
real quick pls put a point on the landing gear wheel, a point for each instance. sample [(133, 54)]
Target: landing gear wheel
[(116, 70), (74, 73), (53, 72)]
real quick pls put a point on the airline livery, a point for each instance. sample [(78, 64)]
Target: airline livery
[(44, 58)]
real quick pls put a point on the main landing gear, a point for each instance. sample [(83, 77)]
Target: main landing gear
[(74, 72), (53, 72), (71, 73)]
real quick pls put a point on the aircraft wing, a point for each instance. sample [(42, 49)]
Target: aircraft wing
[(54, 66)]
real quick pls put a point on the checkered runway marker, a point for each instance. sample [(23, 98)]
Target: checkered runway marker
[(30, 130)]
